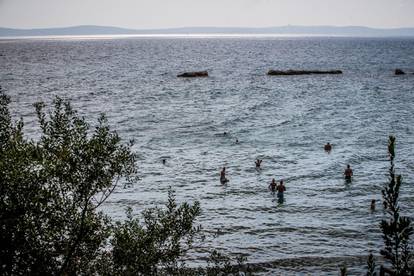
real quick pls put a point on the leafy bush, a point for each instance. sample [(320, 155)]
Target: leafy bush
[(51, 188), (164, 236)]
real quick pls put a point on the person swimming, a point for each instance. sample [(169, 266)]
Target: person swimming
[(373, 205), (258, 162), (223, 178), (328, 147), (164, 161), (280, 190), (348, 173), (272, 185)]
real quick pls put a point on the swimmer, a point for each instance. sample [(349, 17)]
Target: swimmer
[(163, 161), (348, 173), (373, 205), (237, 141), (272, 185), (223, 178), (328, 147), (258, 162), (280, 189)]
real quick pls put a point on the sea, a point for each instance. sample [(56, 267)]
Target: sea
[(231, 118)]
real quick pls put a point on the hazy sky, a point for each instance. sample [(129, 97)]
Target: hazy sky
[(145, 14)]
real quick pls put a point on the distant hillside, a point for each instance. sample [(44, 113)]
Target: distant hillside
[(284, 30)]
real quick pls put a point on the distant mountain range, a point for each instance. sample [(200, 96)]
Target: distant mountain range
[(283, 30)]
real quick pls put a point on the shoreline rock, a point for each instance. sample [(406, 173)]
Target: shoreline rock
[(302, 72), (193, 74)]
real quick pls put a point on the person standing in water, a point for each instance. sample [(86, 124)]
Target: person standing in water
[(223, 178), (372, 205), (280, 190), (272, 185), (328, 147), (348, 173)]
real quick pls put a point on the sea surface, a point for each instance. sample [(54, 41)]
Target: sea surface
[(284, 120)]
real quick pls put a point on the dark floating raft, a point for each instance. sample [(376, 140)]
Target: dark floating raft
[(193, 74), (302, 72)]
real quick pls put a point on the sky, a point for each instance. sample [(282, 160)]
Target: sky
[(153, 14)]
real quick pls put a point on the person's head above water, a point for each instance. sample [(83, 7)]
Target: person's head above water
[(348, 166)]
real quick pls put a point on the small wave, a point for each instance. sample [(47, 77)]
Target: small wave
[(314, 264)]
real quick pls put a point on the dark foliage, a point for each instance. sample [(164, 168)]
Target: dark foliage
[(396, 229), (155, 244), (371, 265), (50, 191), (343, 270)]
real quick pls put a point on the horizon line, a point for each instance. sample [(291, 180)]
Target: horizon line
[(210, 26), (190, 36)]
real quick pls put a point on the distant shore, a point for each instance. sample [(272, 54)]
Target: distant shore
[(290, 30), (187, 36)]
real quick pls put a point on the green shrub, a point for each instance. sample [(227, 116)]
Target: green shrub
[(51, 188)]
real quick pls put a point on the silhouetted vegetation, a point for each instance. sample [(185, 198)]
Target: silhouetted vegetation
[(371, 265), (343, 270), (396, 229), (155, 243), (50, 191)]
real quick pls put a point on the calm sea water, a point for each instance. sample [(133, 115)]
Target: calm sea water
[(283, 120)]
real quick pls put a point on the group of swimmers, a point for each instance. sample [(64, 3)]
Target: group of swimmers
[(273, 186)]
